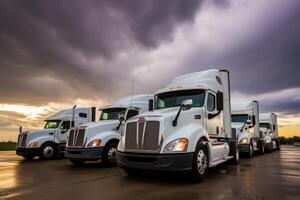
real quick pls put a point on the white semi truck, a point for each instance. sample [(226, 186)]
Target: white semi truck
[(245, 121), (188, 130), (269, 130), (51, 141), (98, 140)]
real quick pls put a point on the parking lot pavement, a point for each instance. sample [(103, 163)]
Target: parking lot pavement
[(271, 176)]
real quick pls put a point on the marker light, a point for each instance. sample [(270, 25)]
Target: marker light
[(244, 141)]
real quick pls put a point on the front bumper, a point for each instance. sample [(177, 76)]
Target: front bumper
[(30, 152), (84, 153), (244, 148), (268, 146), (155, 162)]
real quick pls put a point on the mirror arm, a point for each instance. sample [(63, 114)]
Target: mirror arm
[(174, 123), (120, 123)]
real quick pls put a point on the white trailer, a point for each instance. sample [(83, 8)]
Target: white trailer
[(269, 130), (98, 140), (50, 142), (245, 121), (188, 130)]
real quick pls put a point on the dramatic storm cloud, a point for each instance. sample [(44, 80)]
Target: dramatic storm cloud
[(57, 53)]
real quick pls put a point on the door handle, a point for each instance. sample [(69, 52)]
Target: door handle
[(51, 133)]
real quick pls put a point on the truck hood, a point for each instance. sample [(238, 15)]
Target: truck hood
[(92, 128), (39, 133), (241, 133), (161, 113)]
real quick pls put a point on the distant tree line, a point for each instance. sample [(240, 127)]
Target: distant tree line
[(289, 140)]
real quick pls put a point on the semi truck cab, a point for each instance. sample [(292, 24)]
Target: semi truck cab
[(189, 128), (269, 130), (95, 141), (245, 121), (50, 141)]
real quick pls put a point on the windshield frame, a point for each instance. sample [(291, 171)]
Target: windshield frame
[(57, 121), (124, 110), (175, 94), (240, 115)]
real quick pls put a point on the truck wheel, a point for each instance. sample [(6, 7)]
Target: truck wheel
[(234, 151), (278, 145), (48, 151), (250, 154), (78, 162), (200, 163), (261, 147), (109, 155)]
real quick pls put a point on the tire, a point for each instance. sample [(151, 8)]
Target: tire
[(78, 162), (234, 151), (48, 151), (200, 163), (251, 151), (109, 154), (28, 157), (278, 145), (261, 147)]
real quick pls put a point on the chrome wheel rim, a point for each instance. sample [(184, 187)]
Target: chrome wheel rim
[(48, 151), (112, 154), (201, 161)]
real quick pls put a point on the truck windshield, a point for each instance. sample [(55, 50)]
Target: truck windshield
[(112, 113), (173, 99), (239, 118), (264, 125), (52, 124)]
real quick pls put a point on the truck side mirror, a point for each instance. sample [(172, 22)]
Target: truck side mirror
[(187, 104), (150, 104), (220, 100), (253, 120)]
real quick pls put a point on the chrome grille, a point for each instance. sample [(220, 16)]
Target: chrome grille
[(142, 136), (22, 138), (76, 138)]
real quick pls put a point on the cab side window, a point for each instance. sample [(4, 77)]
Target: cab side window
[(65, 125), (131, 113), (211, 102)]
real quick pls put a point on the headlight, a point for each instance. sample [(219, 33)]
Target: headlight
[(94, 143), (267, 140), (179, 145), (244, 141), (33, 145), (120, 146)]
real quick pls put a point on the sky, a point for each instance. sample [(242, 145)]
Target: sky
[(55, 54)]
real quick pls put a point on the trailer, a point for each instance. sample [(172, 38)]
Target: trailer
[(50, 141), (97, 141), (189, 128), (245, 121)]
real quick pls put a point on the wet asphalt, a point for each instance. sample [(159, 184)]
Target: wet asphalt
[(270, 176)]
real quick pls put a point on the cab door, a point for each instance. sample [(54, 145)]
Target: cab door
[(214, 125), (63, 130)]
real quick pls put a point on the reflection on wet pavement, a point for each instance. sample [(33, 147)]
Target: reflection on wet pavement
[(271, 176)]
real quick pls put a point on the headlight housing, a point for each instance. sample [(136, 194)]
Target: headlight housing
[(94, 143), (244, 141), (179, 145), (33, 145), (268, 140)]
